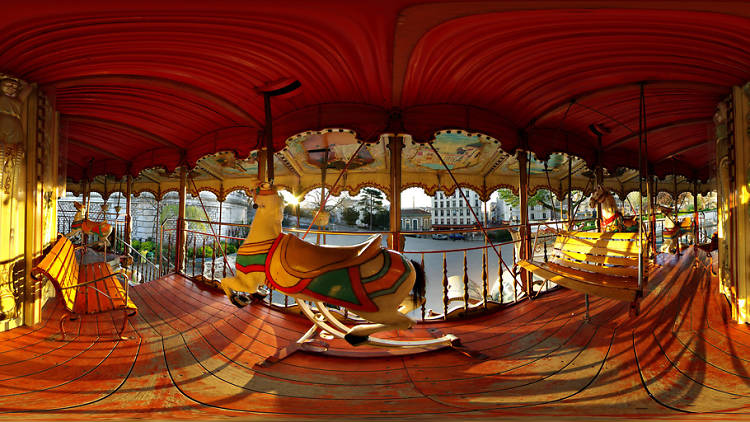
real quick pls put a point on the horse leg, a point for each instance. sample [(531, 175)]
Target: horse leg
[(409, 304), (391, 321), (242, 282)]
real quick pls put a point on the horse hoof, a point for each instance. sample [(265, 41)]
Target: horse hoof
[(239, 301), (355, 340)]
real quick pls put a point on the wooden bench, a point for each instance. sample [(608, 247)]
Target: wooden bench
[(87, 289), (600, 264)]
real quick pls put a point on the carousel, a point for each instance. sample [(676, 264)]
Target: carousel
[(630, 119)]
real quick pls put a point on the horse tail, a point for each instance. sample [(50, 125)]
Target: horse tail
[(420, 284)]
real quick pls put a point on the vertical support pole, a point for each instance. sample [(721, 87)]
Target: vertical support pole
[(445, 287), (695, 212), (500, 277), (128, 214), (424, 302), (268, 132), (466, 284), (395, 145), (676, 212), (180, 241), (599, 177), (33, 289), (652, 212), (159, 232), (571, 217), (221, 206), (523, 195), (485, 292)]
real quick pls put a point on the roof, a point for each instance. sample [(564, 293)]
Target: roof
[(414, 212), (141, 83)]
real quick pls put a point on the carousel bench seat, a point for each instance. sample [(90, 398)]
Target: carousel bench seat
[(86, 289), (600, 264)]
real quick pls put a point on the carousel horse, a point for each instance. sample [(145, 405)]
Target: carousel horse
[(612, 219), (85, 226), (674, 229), (377, 284)]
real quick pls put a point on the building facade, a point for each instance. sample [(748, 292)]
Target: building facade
[(452, 211), (415, 219)]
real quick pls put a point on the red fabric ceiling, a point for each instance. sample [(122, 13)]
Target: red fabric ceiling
[(141, 84)]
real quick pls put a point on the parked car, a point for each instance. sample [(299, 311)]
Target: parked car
[(440, 236), (457, 236)]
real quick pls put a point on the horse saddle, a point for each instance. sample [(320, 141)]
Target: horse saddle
[(306, 260)]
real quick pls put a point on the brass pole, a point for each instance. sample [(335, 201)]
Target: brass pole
[(180, 241), (395, 145), (128, 214), (523, 195)]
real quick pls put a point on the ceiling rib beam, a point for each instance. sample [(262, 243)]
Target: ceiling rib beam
[(160, 84), (96, 149), (687, 148), (118, 125), (688, 85), (657, 129)]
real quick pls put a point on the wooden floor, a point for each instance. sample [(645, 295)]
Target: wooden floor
[(193, 356)]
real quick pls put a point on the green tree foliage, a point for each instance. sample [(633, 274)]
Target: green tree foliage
[(374, 215), (191, 213), (350, 216)]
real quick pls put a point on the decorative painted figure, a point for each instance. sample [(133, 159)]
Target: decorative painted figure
[(378, 284), (13, 93), (82, 225), (612, 219), (674, 229)]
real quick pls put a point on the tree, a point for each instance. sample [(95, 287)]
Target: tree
[(372, 202), (191, 213), (542, 197), (350, 216)]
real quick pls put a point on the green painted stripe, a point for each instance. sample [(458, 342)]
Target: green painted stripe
[(335, 284), (257, 259), (397, 284), (384, 269)]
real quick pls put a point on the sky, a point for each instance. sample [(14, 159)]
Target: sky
[(410, 198)]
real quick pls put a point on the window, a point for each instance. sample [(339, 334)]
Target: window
[(532, 216), (454, 221), (544, 216), (414, 224), (461, 220)]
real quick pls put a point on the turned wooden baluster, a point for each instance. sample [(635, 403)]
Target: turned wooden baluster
[(466, 285), (484, 276), (424, 302), (445, 287)]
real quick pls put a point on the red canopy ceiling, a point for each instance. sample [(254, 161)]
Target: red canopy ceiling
[(160, 83)]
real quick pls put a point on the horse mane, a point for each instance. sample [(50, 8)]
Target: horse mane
[(419, 290)]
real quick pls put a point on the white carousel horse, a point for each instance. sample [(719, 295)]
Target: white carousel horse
[(674, 229), (377, 284), (85, 226), (612, 220)]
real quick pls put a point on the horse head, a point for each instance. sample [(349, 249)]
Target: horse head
[(605, 198), (80, 210), (269, 207)]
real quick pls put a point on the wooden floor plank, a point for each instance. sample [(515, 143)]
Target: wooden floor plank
[(192, 355)]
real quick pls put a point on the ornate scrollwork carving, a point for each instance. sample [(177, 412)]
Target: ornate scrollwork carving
[(13, 94)]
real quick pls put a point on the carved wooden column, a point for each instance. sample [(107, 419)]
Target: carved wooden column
[(395, 145), (696, 220), (180, 243), (33, 289), (524, 231), (128, 214)]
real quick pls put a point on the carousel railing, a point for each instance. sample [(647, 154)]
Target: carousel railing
[(485, 280), (143, 269)]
